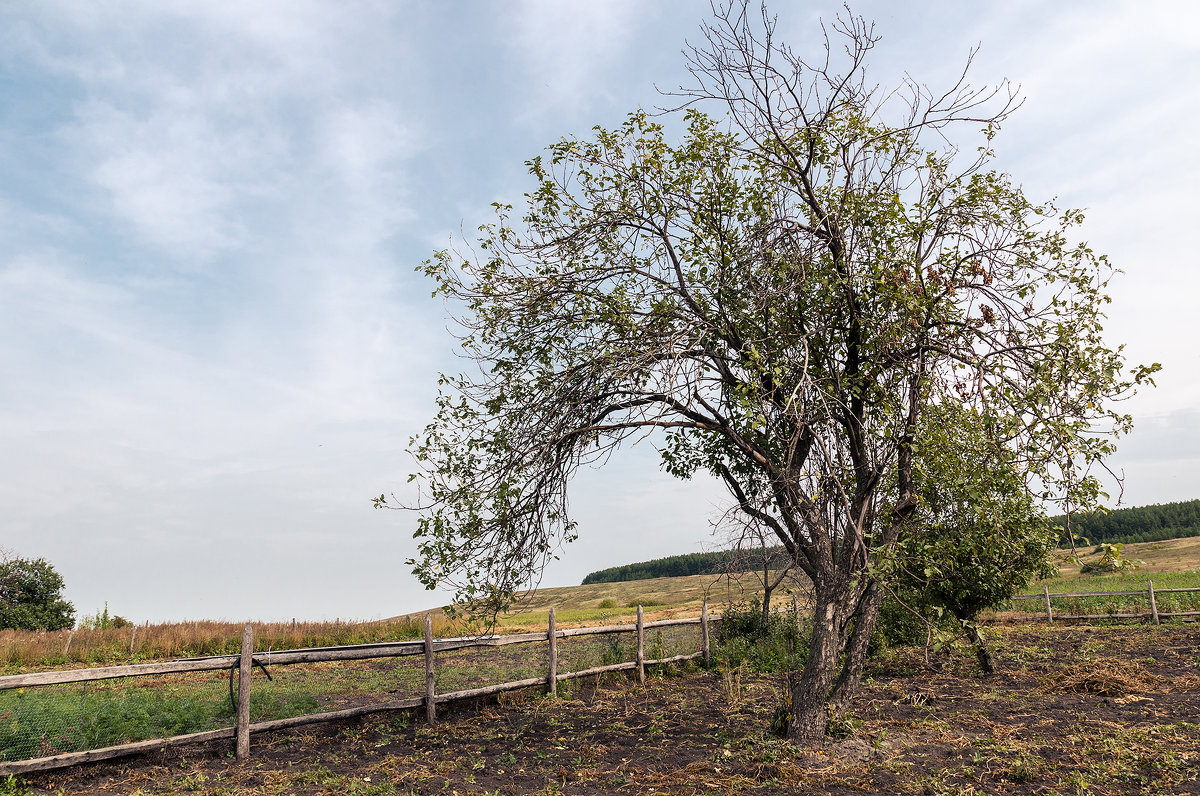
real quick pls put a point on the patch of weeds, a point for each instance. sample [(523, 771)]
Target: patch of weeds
[(317, 776), (13, 785), (1025, 767), (842, 727), (191, 782)]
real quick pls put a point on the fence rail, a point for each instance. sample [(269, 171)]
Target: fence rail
[(1150, 593), (428, 647)]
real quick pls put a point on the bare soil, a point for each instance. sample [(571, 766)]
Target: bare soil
[(1095, 710)]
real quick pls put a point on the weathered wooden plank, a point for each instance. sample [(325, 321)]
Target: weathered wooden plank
[(487, 690), (110, 672), (109, 752), (552, 677), (596, 631), (138, 747), (641, 648), (1067, 595), (346, 713), (612, 667), (430, 700), (669, 622), (245, 669), (675, 658)]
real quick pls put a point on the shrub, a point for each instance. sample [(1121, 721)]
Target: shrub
[(1111, 561), (607, 602), (745, 639), (101, 620), (898, 626)]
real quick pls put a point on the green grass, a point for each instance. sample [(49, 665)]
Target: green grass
[(1125, 581), (47, 720)]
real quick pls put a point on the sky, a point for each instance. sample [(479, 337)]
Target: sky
[(214, 346)]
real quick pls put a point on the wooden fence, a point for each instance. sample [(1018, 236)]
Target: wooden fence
[(1149, 593), (428, 647)]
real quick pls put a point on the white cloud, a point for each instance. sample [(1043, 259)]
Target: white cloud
[(568, 50)]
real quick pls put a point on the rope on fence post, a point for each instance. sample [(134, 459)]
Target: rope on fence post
[(704, 648), (245, 667), (430, 705), (1153, 602), (1049, 613), (553, 635), (641, 648)]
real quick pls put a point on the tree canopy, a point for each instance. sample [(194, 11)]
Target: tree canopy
[(978, 535), (781, 293), (31, 596)]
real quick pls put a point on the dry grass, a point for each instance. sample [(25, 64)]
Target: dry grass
[(22, 650), (1172, 555), (1103, 677)]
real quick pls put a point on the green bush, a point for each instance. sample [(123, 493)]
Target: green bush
[(1112, 561), (774, 645), (897, 626), (101, 620), (607, 602)]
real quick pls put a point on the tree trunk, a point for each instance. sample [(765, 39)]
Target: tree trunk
[(821, 690), (810, 691), (986, 661), (856, 649), (766, 601)]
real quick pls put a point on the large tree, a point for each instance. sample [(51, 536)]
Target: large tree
[(780, 296), (31, 595)]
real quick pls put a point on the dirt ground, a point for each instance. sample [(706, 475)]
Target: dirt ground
[(1087, 710)]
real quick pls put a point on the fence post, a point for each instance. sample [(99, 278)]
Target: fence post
[(245, 666), (641, 648), (553, 634), (1049, 613), (430, 705), (1153, 602), (704, 648)]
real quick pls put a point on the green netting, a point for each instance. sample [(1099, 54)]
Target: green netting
[(49, 720), (458, 670), (576, 653), (46, 720), (304, 688)]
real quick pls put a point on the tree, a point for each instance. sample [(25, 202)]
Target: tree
[(752, 548), (31, 596), (979, 536), (780, 297)]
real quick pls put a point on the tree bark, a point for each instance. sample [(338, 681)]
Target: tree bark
[(986, 661), (810, 691), (856, 649)]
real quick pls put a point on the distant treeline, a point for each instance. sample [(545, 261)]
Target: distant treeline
[(688, 564), (1155, 523)]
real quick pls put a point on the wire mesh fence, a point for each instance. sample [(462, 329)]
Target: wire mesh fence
[(45, 715), (73, 717), (459, 670)]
